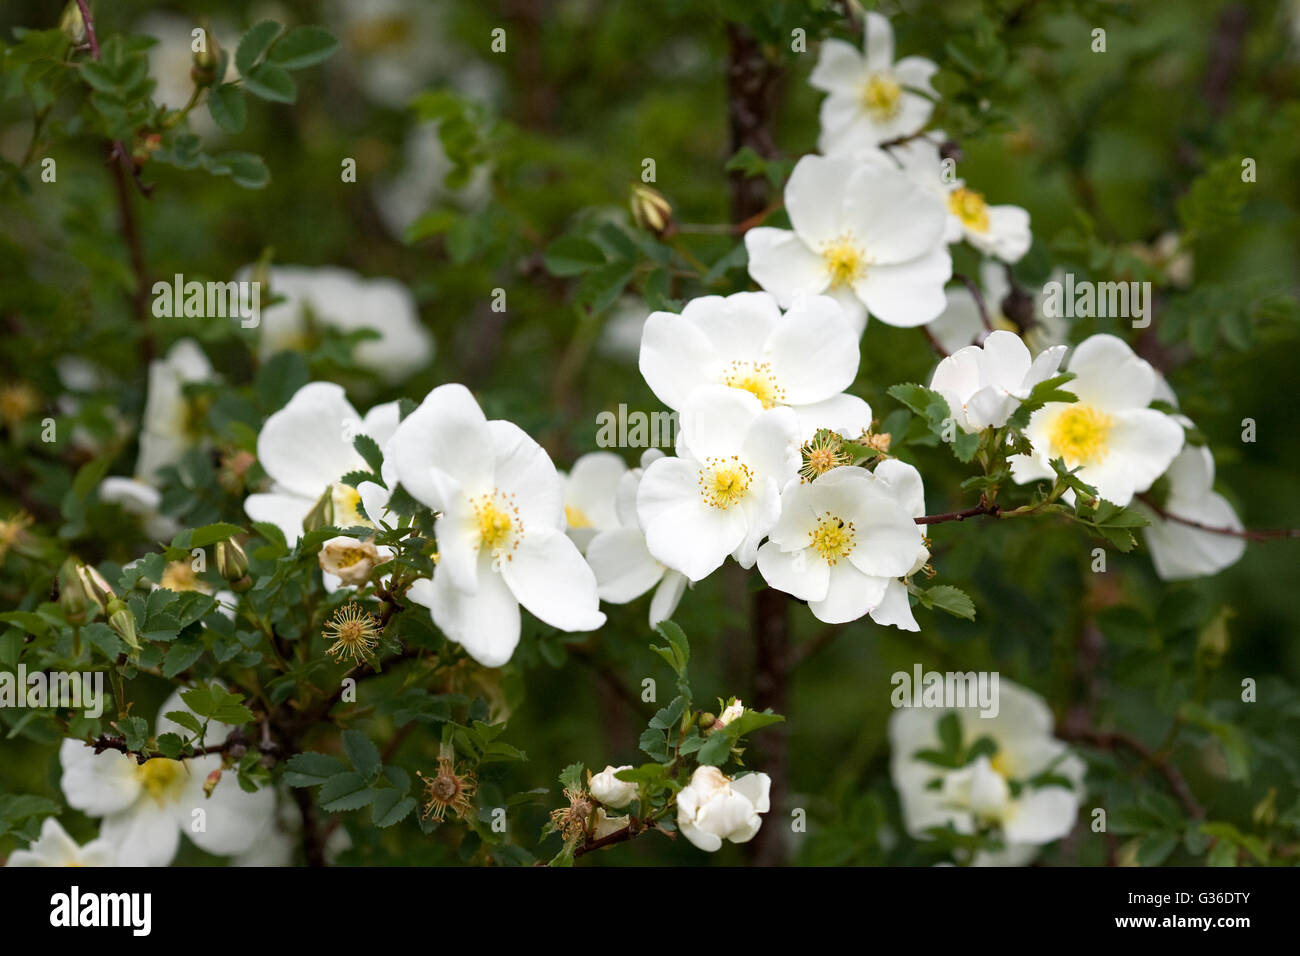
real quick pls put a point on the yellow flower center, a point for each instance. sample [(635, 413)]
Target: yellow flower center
[(347, 507), (881, 96), (833, 538), (757, 379), (161, 778), (499, 529), (844, 261), (1000, 766), (724, 481), (970, 207), (576, 517), (1079, 435), (180, 576)]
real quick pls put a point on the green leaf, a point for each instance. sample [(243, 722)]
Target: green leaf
[(678, 651), (945, 597), (750, 721), (303, 47), (363, 753), (169, 745), (206, 535), (390, 807), (716, 750), (246, 169), (1155, 849), (228, 108), (368, 449), (181, 655), (271, 82), (345, 791), (571, 256), (311, 769), (186, 720), (255, 43), (572, 777), (135, 730)]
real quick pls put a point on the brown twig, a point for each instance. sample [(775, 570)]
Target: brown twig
[(993, 511), (1109, 740), (1249, 534), (978, 296)]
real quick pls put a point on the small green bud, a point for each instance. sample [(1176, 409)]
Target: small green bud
[(73, 24), (232, 562), (206, 62), (651, 211), (122, 621)]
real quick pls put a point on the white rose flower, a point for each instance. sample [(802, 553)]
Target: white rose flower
[(167, 428), (872, 98), (611, 791), (714, 807), (147, 806), (625, 569), (722, 494), (350, 560), (844, 541), (731, 712), (999, 231), (500, 530), (306, 448), (55, 848), (345, 301), (1119, 445), (804, 358), (979, 793), (1180, 551), (863, 233), (984, 384), (589, 492)]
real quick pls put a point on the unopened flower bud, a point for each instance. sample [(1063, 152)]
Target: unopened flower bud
[(651, 210), (611, 791), (732, 711), (211, 781), (349, 559), (232, 562), (322, 512), (206, 62), (76, 601), (73, 24), (122, 621)]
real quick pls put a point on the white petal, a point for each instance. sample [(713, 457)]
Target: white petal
[(844, 414), (623, 565), (448, 432), (307, 445), (145, 835), (894, 609), (1110, 376), (682, 531), (1042, 815), (878, 41), (849, 595), (548, 576), (894, 218), (802, 572), (97, 784), (910, 293), (233, 819), (524, 470), (664, 603), (283, 510), (485, 623), (676, 358), (814, 351), (784, 265), (590, 489), (840, 68), (815, 197)]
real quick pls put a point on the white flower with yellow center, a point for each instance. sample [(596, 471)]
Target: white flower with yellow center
[(1119, 445), (845, 540), (960, 324), (864, 234), (992, 791), (345, 301), (500, 528), (306, 448), (722, 493), (1000, 231), (871, 98), (55, 848), (147, 806), (984, 384), (714, 807), (625, 569), (804, 358), (590, 488)]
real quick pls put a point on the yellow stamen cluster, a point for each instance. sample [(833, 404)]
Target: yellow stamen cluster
[(757, 379), (833, 538), (499, 529), (355, 633), (161, 778), (822, 453), (970, 207), (845, 261), (724, 481), (180, 576), (448, 790), (13, 532), (17, 401), (1079, 435), (882, 97)]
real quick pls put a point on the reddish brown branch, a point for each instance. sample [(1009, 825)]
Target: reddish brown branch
[(1250, 534)]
